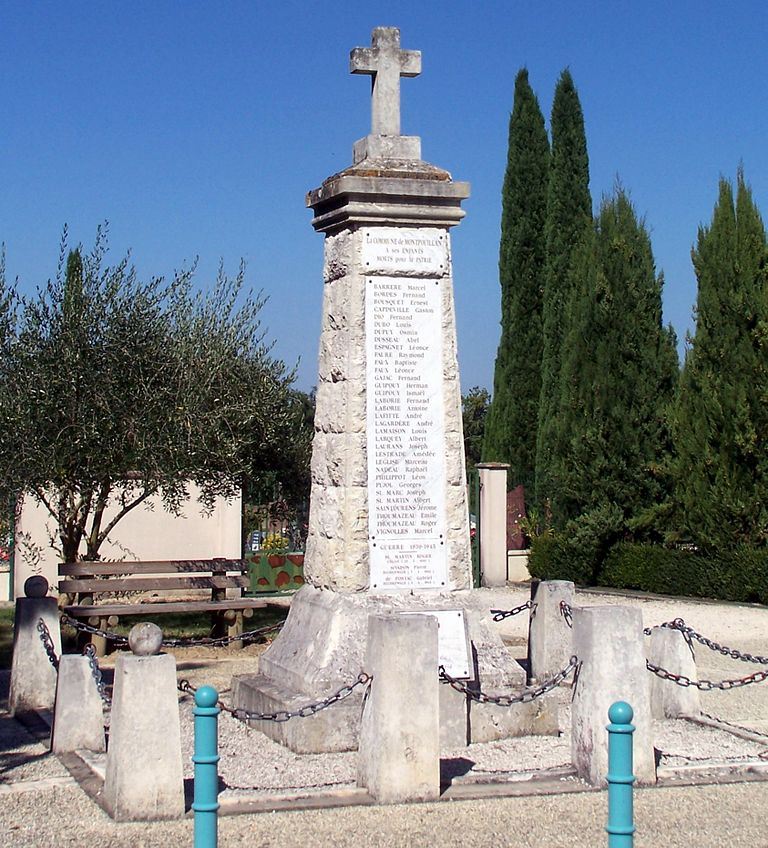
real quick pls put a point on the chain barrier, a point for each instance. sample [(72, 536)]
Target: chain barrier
[(706, 685), (45, 638), (182, 642), (90, 654), (567, 613), (500, 615), (306, 711), (523, 697)]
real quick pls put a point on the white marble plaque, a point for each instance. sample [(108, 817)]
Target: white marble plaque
[(396, 250), (406, 446), (453, 652)]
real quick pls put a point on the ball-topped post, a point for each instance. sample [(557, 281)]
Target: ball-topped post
[(206, 760), (620, 826)]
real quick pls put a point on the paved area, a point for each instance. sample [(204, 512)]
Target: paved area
[(41, 805)]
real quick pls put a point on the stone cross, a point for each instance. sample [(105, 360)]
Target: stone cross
[(386, 63)]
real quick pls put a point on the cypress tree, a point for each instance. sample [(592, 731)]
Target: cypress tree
[(569, 216), (722, 415), (510, 430), (617, 379)]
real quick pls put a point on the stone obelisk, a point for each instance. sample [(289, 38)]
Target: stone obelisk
[(388, 521)]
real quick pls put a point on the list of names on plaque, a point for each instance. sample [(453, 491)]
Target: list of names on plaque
[(406, 461)]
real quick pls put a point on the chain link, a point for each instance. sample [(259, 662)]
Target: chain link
[(523, 697), (706, 685), (45, 638), (567, 613), (182, 642), (90, 653), (500, 615), (306, 711)]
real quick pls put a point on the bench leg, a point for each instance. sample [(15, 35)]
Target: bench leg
[(235, 628), (99, 642)]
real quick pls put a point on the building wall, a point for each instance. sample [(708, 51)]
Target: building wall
[(146, 533)]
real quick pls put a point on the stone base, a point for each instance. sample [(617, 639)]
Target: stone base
[(322, 648)]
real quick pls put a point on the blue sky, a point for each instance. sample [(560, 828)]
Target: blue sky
[(196, 128)]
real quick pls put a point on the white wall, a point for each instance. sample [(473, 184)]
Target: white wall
[(143, 534)]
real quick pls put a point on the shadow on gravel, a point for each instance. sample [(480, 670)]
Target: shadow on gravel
[(454, 767)]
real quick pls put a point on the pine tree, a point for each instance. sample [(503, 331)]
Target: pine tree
[(618, 374), (722, 412), (569, 216), (510, 434)]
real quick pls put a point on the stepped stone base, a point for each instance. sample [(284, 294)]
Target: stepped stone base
[(322, 648)]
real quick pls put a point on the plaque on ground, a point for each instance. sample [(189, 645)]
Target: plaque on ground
[(406, 462), (453, 652)]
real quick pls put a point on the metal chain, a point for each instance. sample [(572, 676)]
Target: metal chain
[(45, 638), (706, 685), (500, 615), (183, 642), (284, 715), (90, 653), (523, 697), (567, 613)]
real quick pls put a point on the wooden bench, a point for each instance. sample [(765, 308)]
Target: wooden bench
[(82, 586)]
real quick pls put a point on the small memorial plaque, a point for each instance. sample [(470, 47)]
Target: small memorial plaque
[(396, 250), (453, 652)]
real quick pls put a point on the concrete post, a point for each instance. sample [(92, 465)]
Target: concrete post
[(144, 779), (550, 642), (608, 642), (33, 676), (493, 523), (399, 752), (78, 719), (669, 649)]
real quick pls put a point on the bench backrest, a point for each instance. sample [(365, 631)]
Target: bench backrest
[(162, 575)]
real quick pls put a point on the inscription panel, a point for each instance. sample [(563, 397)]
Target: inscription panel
[(453, 646), (406, 461), (395, 250)]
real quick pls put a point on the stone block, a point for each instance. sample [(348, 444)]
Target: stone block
[(399, 753), (78, 719), (144, 779), (550, 642), (33, 677), (608, 642), (669, 649)]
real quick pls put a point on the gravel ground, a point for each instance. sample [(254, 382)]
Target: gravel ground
[(54, 811)]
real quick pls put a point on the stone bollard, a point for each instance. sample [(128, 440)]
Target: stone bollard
[(33, 675), (399, 752), (670, 650), (78, 718), (550, 639), (144, 779), (608, 642)]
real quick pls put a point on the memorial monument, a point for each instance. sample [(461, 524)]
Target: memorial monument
[(388, 521)]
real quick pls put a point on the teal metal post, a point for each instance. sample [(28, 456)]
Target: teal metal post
[(621, 826), (206, 760)]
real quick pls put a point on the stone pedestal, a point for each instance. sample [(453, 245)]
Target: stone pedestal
[(33, 677), (399, 757), (78, 720), (388, 520), (493, 523), (550, 642), (608, 642), (670, 650)]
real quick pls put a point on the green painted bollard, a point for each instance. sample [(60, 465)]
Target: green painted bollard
[(621, 826), (206, 760)]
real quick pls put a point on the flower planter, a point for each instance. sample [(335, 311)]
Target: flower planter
[(276, 572)]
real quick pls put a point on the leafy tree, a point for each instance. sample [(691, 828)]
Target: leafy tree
[(474, 413), (617, 380), (722, 415), (569, 217), (510, 432), (117, 389)]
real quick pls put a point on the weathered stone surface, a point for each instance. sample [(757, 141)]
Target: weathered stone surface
[(33, 677), (669, 649), (78, 719), (144, 780), (145, 639), (550, 642), (493, 528), (609, 644), (399, 751), (36, 586)]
